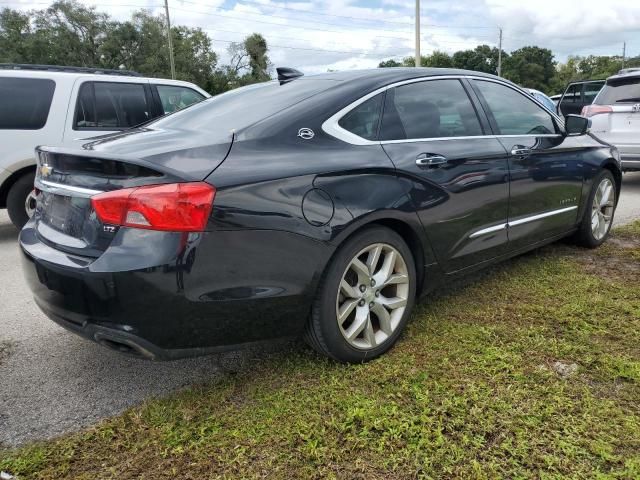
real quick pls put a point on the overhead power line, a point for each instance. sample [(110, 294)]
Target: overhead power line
[(346, 17)]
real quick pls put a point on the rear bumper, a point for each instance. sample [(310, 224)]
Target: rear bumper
[(169, 298), (630, 161)]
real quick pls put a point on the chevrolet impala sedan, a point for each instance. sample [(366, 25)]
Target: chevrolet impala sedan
[(321, 206)]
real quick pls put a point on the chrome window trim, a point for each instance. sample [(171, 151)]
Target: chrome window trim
[(521, 221), (59, 188), (331, 126)]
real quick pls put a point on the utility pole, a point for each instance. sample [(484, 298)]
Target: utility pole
[(170, 41), (417, 33), (500, 53), (624, 52)]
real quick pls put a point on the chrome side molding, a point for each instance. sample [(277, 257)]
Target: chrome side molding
[(521, 221)]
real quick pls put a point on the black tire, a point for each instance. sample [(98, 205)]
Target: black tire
[(17, 197), (585, 236), (322, 332)]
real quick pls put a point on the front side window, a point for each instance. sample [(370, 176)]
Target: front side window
[(363, 120), (514, 113), (572, 95), (429, 109), (25, 102), (111, 105), (176, 98)]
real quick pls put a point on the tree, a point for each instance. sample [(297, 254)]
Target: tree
[(389, 63), (483, 58), (531, 67)]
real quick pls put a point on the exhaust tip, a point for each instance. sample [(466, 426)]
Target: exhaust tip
[(123, 346)]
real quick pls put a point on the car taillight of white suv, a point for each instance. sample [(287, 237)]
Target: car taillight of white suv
[(615, 116)]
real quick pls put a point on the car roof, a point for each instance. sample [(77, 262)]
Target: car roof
[(394, 73), (100, 77), (625, 73)]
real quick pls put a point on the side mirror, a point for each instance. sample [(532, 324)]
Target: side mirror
[(576, 125)]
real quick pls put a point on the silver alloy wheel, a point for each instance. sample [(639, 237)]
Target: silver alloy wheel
[(30, 204), (372, 296), (602, 209)]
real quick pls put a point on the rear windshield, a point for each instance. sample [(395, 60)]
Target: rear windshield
[(25, 102), (243, 106), (620, 91)]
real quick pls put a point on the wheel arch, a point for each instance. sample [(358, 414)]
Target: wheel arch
[(408, 231), (11, 179), (615, 170)]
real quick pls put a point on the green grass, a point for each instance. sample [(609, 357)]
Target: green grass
[(470, 391)]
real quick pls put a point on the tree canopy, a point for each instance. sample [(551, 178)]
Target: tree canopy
[(69, 33)]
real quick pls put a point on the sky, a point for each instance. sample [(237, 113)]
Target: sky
[(315, 36)]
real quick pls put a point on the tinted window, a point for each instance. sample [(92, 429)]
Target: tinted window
[(430, 109), (363, 120), (176, 98), (591, 90), (572, 95), (620, 91), (25, 102), (513, 112), (111, 105)]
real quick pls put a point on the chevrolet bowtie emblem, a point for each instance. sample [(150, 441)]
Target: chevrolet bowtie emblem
[(45, 170)]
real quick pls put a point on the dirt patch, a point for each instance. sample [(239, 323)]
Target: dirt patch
[(624, 243), (5, 350)]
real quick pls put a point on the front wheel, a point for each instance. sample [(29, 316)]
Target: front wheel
[(365, 297), (21, 202), (598, 216)]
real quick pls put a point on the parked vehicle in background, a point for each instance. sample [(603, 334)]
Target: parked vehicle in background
[(543, 99), (577, 95), (321, 205), (41, 104), (556, 99), (615, 115)]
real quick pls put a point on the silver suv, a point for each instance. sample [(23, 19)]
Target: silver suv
[(615, 115)]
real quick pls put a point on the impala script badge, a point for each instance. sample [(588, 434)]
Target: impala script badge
[(306, 133)]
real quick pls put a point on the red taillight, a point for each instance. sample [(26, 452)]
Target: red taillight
[(591, 110), (175, 207)]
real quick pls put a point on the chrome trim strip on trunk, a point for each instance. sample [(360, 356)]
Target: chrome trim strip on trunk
[(521, 221), (62, 189)]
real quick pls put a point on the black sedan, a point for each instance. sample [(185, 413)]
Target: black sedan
[(321, 205)]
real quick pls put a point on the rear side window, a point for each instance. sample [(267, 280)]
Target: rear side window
[(176, 98), (25, 102), (514, 113), (105, 105), (429, 109), (364, 119), (620, 91)]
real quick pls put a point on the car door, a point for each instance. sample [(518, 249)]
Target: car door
[(546, 169), (571, 101), (103, 107), (432, 132)]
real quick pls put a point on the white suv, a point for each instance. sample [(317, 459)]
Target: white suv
[(615, 115), (48, 105)]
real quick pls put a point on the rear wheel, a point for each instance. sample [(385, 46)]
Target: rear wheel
[(21, 202), (365, 297), (598, 216)]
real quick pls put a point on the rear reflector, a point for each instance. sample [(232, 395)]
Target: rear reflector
[(591, 110), (175, 207)]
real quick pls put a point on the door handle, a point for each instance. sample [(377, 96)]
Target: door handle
[(430, 160), (520, 151)]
